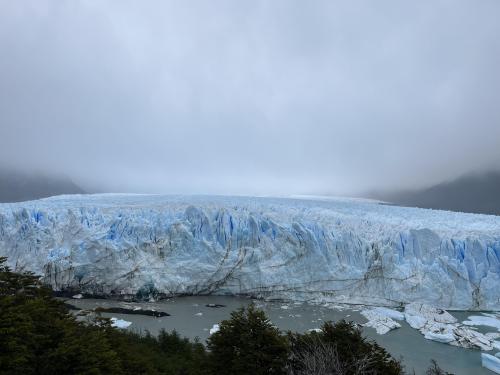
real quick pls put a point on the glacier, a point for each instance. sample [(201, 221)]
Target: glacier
[(320, 250)]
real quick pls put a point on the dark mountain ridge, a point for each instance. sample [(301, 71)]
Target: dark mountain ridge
[(475, 193), (16, 186)]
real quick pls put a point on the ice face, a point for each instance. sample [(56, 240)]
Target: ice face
[(330, 251)]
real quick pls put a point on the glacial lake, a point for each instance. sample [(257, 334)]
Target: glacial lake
[(405, 342)]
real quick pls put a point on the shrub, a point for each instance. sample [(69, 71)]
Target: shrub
[(339, 349)]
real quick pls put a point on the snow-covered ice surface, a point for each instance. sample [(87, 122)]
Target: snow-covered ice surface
[(320, 250)]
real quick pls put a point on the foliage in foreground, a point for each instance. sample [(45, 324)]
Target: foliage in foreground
[(39, 336), (339, 349), (248, 344)]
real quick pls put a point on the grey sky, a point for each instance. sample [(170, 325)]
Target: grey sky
[(250, 97)]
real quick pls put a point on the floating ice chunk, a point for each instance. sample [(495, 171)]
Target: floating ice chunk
[(477, 320), (334, 307), (198, 314), (490, 362), (318, 330), (438, 325), (382, 326), (445, 338), (390, 313), (493, 335), (415, 321), (429, 313), (77, 296), (120, 323), (440, 332), (491, 315), (467, 338), (214, 329), (381, 323), (285, 307)]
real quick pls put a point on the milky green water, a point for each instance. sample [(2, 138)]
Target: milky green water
[(405, 342)]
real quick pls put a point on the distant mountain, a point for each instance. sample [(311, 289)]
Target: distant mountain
[(477, 193), (22, 186)]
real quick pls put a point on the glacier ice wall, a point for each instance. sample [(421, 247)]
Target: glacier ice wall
[(336, 250)]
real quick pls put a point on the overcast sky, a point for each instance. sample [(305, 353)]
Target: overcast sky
[(250, 97)]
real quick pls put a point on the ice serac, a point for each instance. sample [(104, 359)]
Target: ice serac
[(324, 250)]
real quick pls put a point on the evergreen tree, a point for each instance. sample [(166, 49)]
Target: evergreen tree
[(247, 344), (38, 336)]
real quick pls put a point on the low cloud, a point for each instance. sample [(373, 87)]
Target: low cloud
[(250, 97)]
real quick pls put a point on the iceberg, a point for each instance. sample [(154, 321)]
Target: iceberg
[(390, 313), (120, 323), (439, 325), (415, 321), (468, 338), (327, 251), (214, 329), (429, 313), (380, 321), (477, 320), (490, 362)]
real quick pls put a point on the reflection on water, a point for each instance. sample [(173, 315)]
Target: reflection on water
[(192, 318)]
